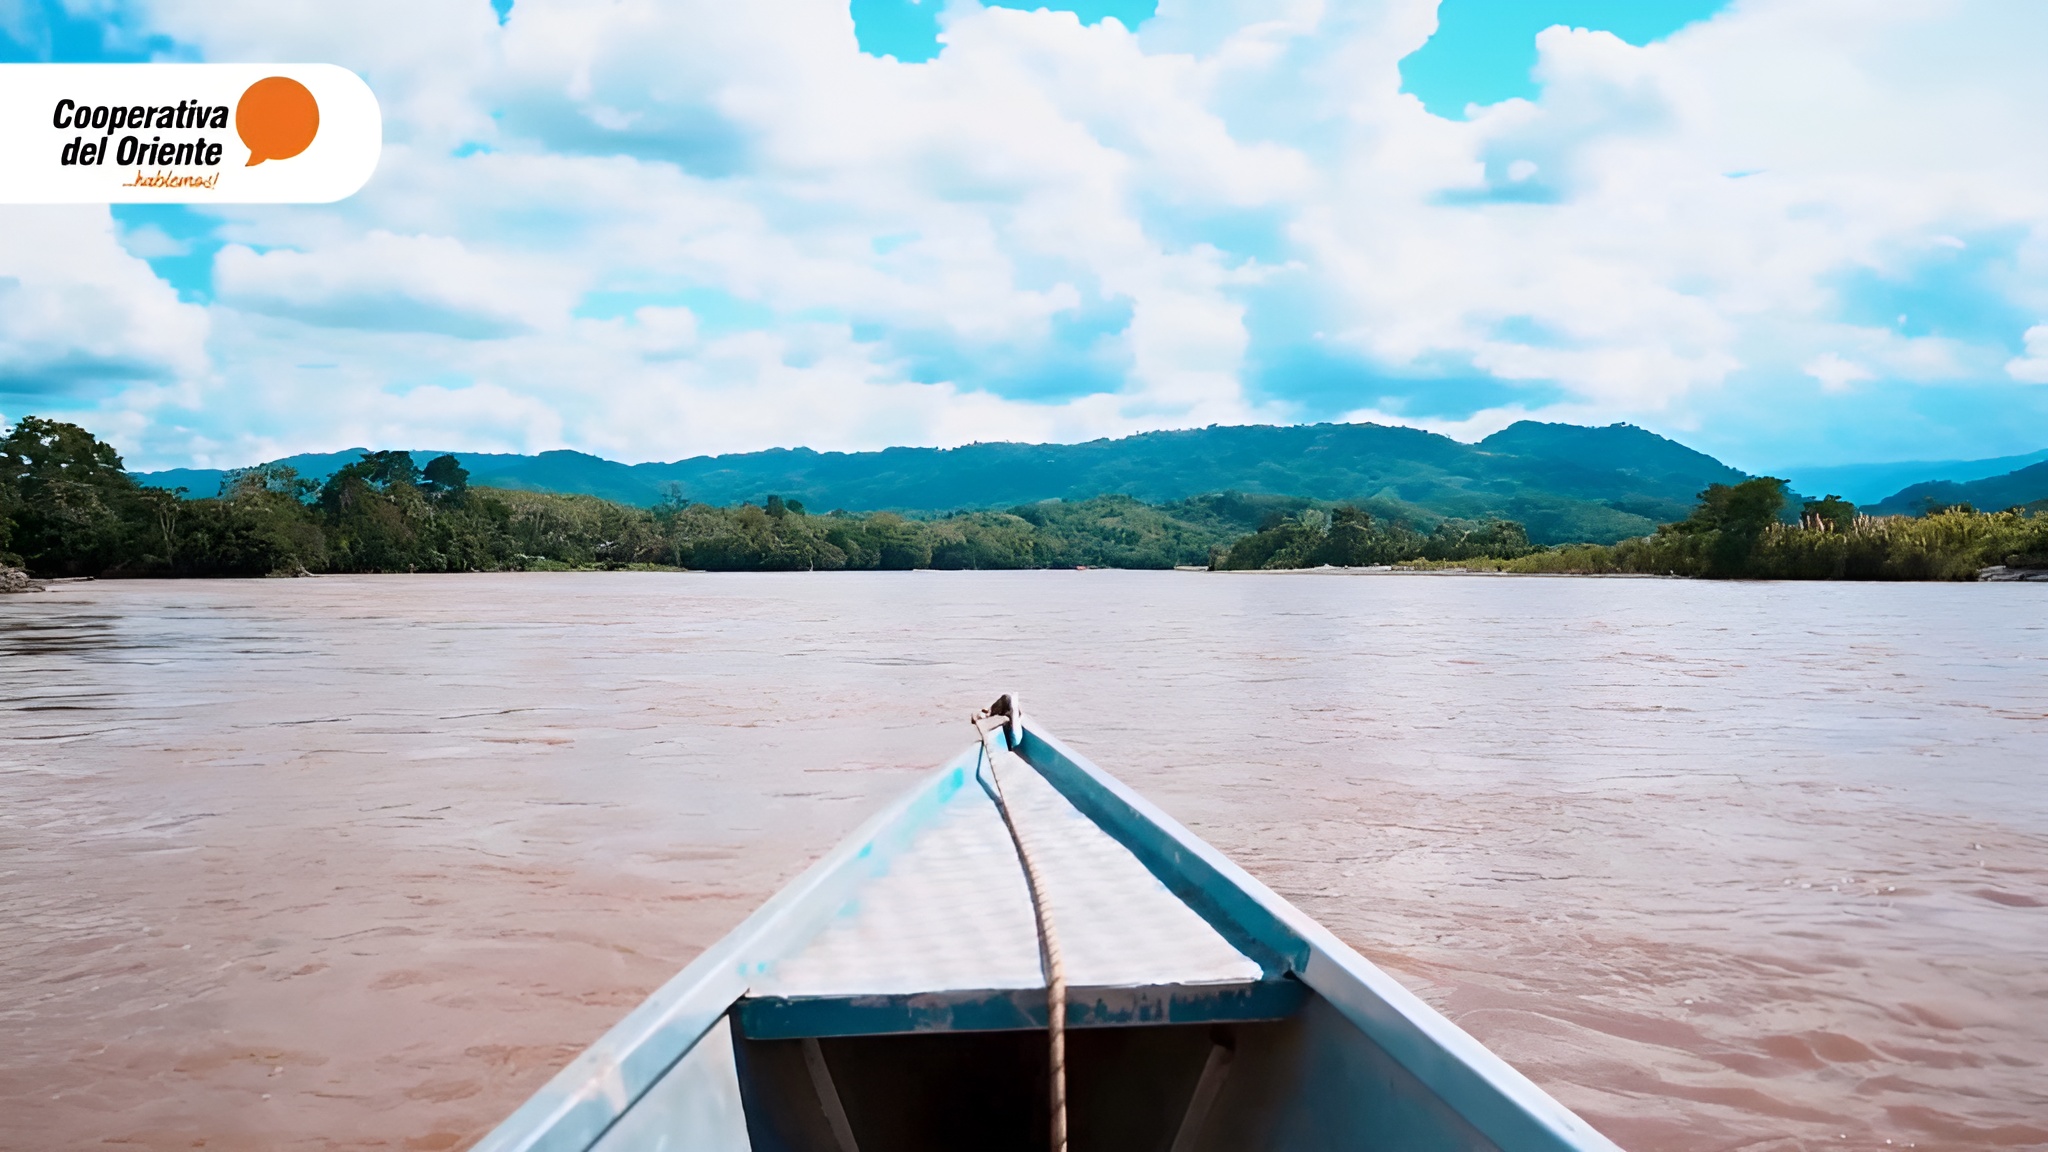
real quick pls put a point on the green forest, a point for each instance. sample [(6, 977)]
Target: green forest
[(1736, 531), (69, 508)]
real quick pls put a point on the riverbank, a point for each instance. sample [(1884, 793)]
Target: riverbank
[(68, 509), (1434, 568)]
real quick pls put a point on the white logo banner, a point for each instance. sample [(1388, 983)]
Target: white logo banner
[(185, 133)]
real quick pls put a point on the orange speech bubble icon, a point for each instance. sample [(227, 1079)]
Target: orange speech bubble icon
[(277, 118)]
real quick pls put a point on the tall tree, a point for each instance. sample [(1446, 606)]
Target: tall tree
[(71, 508), (1730, 520), (445, 478)]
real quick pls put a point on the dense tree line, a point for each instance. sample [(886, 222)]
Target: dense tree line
[(68, 508), (1348, 536), (1744, 531)]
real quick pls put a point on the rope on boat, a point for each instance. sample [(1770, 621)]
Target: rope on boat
[(1003, 714)]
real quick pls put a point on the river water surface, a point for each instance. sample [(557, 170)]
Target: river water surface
[(359, 862)]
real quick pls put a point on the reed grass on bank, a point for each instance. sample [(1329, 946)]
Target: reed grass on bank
[(1734, 534), (1947, 545)]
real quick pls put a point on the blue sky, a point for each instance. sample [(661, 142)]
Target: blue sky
[(1484, 51), (908, 30), (1784, 231)]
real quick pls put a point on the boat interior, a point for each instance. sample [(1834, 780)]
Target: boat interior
[(1307, 1081)]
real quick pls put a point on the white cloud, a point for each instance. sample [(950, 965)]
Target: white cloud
[(397, 284), (81, 319), (151, 241), (2033, 367), (1837, 374), (707, 226), (1477, 426)]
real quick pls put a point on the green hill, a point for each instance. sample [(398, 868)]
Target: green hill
[(2026, 486), (1867, 484), (1564, 482)]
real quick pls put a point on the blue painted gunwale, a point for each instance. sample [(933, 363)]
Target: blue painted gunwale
[(1504, 1105), (573, 1110)]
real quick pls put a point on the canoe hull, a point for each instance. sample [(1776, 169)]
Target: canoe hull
[(1320, 1050)]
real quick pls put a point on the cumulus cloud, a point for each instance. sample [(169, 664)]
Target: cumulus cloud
[(1835, 373), (648, 229), (395, 284), (2033, 367), (80, 318)]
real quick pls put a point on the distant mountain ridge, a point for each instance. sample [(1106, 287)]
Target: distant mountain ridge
[(1871, 483), (1565, 482), (2023, 486)]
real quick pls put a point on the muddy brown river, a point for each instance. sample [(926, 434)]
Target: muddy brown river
[(359, 862)]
